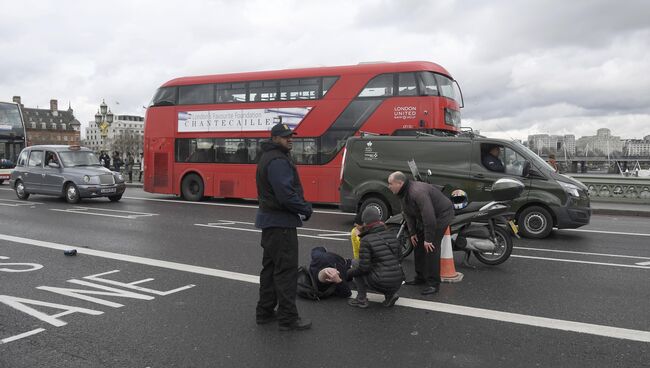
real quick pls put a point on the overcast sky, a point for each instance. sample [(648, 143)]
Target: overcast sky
[(525, 67)]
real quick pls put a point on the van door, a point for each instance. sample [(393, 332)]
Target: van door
[(443, 162), (483, 178)]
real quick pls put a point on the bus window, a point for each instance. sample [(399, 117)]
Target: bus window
[(447, 88), (263, 91), (165, 96), (231, 92), (299, 89), (379, 86), (406, 85), (196, 94), (328, 82), (428, 85)]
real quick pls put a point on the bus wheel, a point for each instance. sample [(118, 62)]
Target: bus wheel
[(192, 188), (21, 193), (378, 203), (535, 222)]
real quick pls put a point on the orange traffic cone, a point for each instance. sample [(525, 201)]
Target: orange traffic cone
[(447, 268)]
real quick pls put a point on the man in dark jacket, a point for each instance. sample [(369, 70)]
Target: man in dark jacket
[(282, 208), (491, 159), (379, 266), (329, 268), (428, 213)]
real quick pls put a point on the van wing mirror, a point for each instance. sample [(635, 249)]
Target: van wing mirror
[(526, 169)]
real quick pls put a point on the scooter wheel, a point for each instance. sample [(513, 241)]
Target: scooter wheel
[(502, 251)]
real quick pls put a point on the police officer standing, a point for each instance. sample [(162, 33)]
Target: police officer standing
[(282, 208)]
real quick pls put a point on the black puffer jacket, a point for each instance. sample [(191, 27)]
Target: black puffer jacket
[(379, 259)]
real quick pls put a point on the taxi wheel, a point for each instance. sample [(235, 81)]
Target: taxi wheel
[(115, 198), (21, 193), (72, 194)]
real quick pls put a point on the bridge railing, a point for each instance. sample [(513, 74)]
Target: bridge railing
[(616, 189)]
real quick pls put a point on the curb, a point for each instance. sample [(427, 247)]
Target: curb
[(615, 212)]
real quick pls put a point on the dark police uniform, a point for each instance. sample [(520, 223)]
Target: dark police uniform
[(281, 203), (493, 163)]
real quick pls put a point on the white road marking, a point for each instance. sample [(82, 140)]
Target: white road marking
[(522, 319), (16, 203), (583, 262), (22, 335), (228, 205), (101, 212), (585, 253), (605, 232), (224, 224), (644, 263)]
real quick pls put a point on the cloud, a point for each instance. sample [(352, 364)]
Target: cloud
[(524, 67)]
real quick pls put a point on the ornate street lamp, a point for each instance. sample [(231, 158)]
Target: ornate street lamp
[(103, 119)]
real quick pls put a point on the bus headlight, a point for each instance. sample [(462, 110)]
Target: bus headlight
[(452, 117), (570, 189)]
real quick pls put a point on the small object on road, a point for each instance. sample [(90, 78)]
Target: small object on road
[(70, 252)]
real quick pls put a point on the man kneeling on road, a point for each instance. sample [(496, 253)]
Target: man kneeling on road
[(379, 264), (428, 213)]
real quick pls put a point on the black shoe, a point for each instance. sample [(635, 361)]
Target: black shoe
[(266, 319), (430, 290), (414, 282), (390, 300), (297, 325)]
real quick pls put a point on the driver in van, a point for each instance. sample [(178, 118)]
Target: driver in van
[(491, 159)]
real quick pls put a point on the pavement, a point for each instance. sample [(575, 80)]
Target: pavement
[(598, 208)]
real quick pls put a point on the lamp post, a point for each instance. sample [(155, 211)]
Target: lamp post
[(103, 119)]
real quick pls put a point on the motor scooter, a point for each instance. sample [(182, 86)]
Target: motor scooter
[(481, 228)]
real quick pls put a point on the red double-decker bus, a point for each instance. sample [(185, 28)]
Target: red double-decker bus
[(202, 133)]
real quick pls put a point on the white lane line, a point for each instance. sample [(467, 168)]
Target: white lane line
[(228, 205), (81, 212), (605, 232), (219, 226), (121, 211), (583, 262), (22, 335), (585, 253), (522, 319), (644, 263)]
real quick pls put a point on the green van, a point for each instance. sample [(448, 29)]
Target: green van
[(459, 162)]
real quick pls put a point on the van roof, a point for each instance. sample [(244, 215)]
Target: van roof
[(59, 147), (425, 138)]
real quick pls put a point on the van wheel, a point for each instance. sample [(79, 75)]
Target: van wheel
[(535, 222), (72, 194), (115, 198), (21, 193), (192, 188), (378, 203)]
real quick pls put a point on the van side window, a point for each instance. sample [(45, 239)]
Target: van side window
[(514, 162), (492, 157)]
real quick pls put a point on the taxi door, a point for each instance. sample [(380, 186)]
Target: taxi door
[(33, 172), (52, 176)]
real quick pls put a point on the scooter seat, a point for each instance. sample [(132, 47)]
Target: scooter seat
[(472, 207)]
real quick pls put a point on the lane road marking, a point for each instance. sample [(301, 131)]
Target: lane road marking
[(495, 315)]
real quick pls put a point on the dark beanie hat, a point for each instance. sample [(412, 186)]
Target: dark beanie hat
[(370, 214)]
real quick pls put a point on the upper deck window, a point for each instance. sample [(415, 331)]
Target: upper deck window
[(263, 91), (406, 85), (299, 89), (165, 96), (196, 94), (231, 92), (379, 86)]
